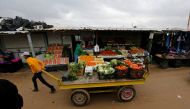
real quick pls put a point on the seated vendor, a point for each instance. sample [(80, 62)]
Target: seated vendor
[(172, 50)]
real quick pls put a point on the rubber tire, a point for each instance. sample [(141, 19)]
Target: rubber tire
[(81, 91), (119, 92)]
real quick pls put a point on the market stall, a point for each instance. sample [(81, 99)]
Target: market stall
[(9, 63), (105, 65), (114, 57), (54, 58), (172, 49)]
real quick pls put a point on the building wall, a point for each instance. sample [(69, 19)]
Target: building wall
[(20, 41), (66, 39), (16, 41), (54, 37), (38, 40), (58, 37)]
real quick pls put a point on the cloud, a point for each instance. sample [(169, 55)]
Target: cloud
[(117, 13)]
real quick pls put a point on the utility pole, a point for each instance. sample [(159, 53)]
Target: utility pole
[(188, 23)]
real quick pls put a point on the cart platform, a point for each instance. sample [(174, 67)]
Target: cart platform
[(82, 88), (94, 82)]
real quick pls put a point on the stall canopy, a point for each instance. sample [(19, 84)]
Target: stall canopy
[(94, 29)]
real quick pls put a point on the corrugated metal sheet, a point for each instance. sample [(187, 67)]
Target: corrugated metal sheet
[(95, 29), (13, 32), (174, 30)]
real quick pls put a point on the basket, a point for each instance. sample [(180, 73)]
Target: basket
[(80, 72), (136, 74), (105, 77), (121, 74)]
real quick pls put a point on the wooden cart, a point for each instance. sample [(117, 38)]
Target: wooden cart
[(82, 88)]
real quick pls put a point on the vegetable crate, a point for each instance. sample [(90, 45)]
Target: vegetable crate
[(81, 90)]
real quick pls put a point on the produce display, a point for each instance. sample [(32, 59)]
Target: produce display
[(121, 67), (53, 55), (137, 70), (86, 58), (136, 51), (118, 68), (115, 69), (105, 71), (121, 72), (115, 62), (75, 70), (90, 60), (108, 53), (90, 63), (117, 53)]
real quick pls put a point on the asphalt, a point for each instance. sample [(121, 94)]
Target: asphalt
[(164, 89)]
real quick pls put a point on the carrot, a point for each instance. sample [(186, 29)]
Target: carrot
[(90, 63), (86, 58), (136, 67), (128, 62), (121, 67)]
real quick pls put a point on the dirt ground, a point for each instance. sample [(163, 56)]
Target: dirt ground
[(164, 89)]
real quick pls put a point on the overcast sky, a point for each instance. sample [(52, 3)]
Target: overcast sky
[(101, 13)]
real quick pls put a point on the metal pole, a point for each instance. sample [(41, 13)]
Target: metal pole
[(188, 23), (45, 37), (3, 46), (30, 44), (151, 36)]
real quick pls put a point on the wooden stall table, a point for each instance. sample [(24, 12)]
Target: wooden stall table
[(171, 60)]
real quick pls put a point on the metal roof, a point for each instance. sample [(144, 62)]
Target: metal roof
[(13, 32), (175, 30), (94, 29)]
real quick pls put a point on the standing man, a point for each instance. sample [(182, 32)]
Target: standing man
[(147, 60), (96, 49), (77, 52), (37, 66)]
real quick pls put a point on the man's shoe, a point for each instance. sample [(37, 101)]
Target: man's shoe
[(35, 90), (53, 90)]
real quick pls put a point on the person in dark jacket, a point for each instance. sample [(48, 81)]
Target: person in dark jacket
[(9, 96)]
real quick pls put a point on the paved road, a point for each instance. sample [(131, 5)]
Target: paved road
[(164, 89)]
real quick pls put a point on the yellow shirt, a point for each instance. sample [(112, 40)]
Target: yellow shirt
[(35, 64)]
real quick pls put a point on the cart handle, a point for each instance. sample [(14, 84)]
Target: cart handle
[(146, 74), (52, 76)]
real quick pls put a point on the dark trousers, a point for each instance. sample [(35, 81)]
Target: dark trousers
[(39, 76), (146, 67)]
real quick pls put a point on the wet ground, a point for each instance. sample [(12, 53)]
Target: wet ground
[(164, 89)]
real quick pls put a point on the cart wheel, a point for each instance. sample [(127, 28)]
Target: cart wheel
[(126, 93), (80, 97)]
